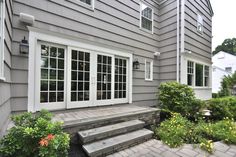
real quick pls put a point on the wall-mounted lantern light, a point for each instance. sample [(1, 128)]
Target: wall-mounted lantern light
[(136, 64), (24, 46)]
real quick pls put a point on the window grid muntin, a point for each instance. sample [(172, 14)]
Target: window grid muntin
[(120, 78), (145, 19), (206, 75), (104, 77), (190, 73), (52, 93), (80, 76)]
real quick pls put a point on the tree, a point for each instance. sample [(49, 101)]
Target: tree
[(229, 45), (227, 85)]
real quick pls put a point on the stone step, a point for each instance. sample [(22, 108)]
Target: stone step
[(117, 143), (147, 115), (96, 134)]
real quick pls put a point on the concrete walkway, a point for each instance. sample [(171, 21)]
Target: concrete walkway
[(155, 148)]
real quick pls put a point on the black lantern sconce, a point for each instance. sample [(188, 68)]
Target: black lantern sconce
[(24, 46), (136, 64)]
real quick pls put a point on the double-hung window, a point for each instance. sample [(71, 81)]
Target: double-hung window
[(190, 73), (198, 75), (146, 15), (200, 23), (88, 3), (2, 17), (148, 70)]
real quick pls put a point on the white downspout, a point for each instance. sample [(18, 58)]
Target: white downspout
[(177, 66)]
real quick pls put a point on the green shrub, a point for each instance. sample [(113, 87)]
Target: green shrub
[(35, 136), (222, 108), (224, 130), (174, 131), (179, 130), (179, 98)]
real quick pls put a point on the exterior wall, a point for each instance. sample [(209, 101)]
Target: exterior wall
[(113, 24), (220, 61), (217, 75), (198, 44), (168, 40), (5, 86)]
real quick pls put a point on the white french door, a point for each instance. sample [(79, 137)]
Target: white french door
[(74, 78)]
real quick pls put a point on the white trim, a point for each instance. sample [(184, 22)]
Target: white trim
[(180, 58), (140, 18), (92, 6), (151, 70), (2, 34), (36, 35), (195, 60), (177, 43)]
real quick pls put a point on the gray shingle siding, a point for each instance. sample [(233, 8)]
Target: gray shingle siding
[(113, 24)]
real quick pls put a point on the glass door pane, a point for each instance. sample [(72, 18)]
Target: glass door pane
[(52, 74), (120, 78), (80, 76), (104, 77)]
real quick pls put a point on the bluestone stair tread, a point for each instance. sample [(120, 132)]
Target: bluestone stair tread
[(109, 130), (116, 143)]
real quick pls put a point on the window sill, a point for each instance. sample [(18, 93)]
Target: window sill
[(149, 80), (145, 30), (2, 79), (202, 87)]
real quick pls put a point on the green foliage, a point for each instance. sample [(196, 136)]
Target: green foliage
[(179, 98), (174, 131), (178, 130), (227, 85), (35, 136), (222, 108), (229, 45), (224, 130)]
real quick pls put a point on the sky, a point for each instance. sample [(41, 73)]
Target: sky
[(224, 21)]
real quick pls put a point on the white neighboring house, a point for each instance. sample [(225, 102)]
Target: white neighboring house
[(223, 64)]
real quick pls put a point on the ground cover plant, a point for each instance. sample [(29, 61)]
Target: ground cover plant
[(186, 123), (35, 136), (178, 130)]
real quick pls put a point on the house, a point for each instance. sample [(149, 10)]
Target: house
[(224, 64), (88, 53)]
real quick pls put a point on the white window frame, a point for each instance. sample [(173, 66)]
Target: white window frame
[(200, 23), (2, 38), (151, 70), (150, 31), (194, 74), (91, 6), (36, 35)]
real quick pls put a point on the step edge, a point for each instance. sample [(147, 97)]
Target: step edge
[(118, 131), (125, 144), (97, 119), (139, 122), (147, 132)]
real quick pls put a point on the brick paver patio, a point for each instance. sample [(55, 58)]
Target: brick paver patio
[(155, 148)]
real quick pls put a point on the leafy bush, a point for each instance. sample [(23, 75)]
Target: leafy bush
[(35, 136), (174, 131), (224, 130), (222, 108), (179, 130), (179, 98)]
